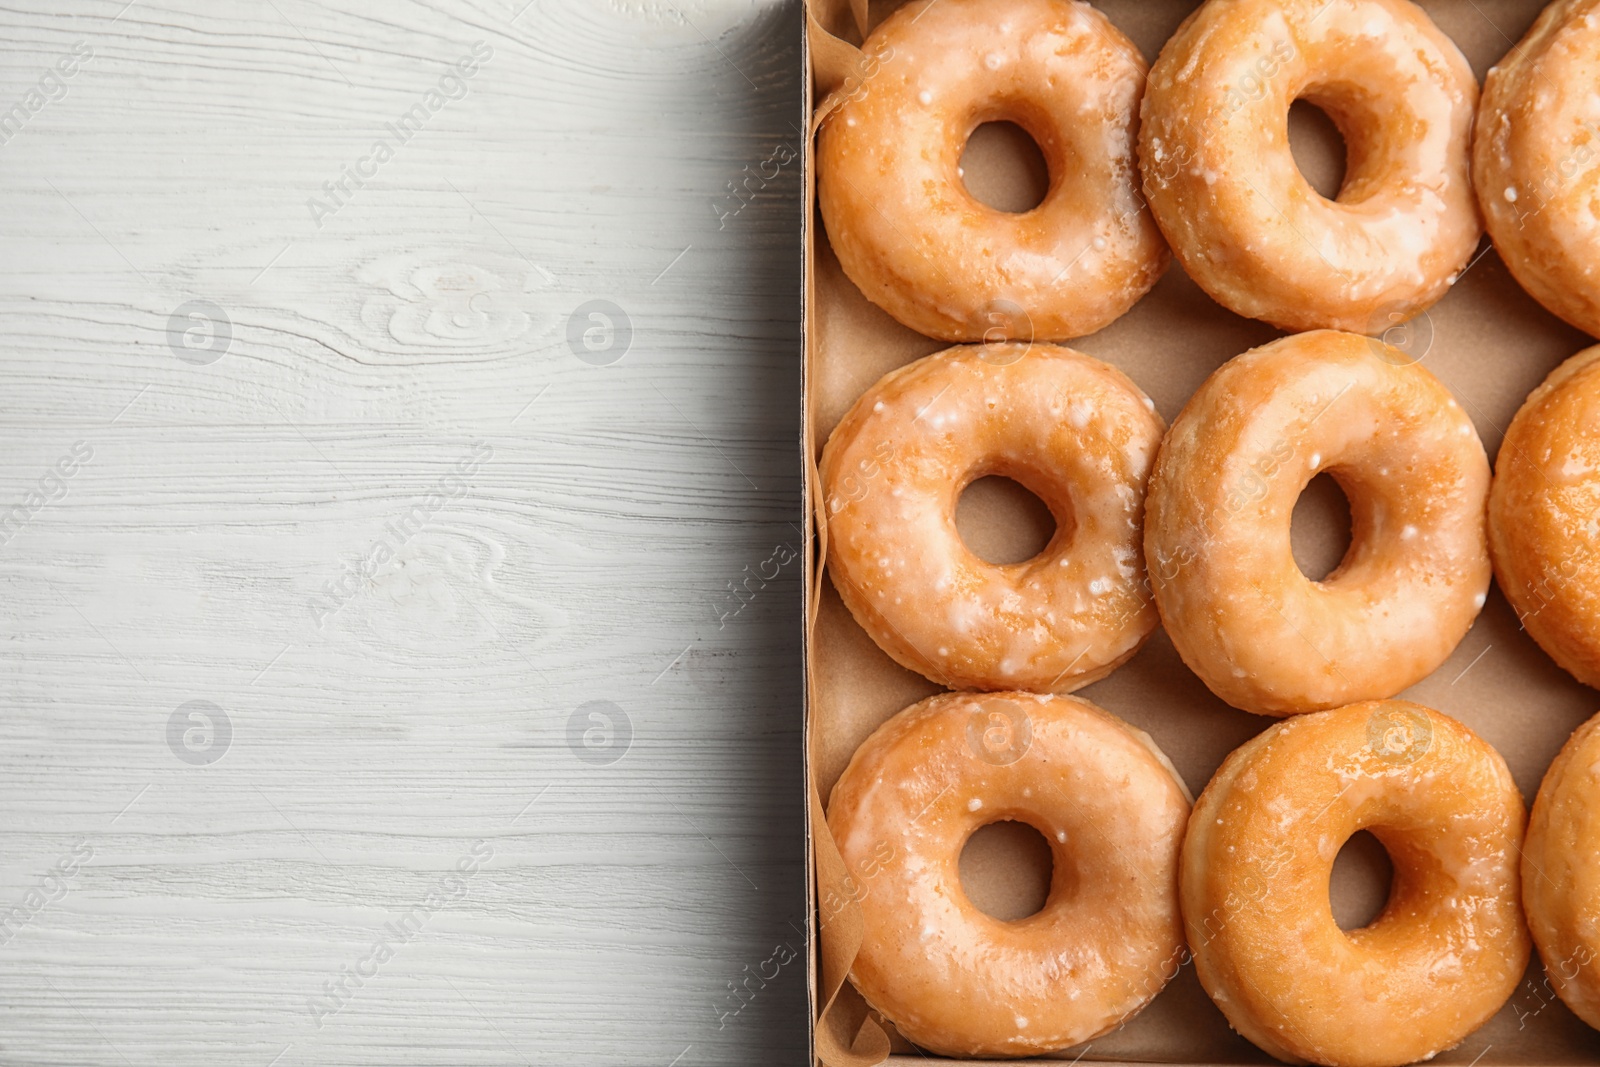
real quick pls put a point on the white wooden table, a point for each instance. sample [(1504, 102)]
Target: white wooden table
[(374, 691)]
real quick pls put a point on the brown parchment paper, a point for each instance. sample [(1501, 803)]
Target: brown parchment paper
[(1490, 343)]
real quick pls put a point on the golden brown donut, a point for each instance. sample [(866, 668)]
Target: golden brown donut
[(1544, 515), (1242, 219), (956, 980), (1076, 432), (901, 220), (1561, 873), (1262, 635), (1449, 947), (1536, 161)]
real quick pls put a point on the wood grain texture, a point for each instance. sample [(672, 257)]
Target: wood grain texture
[(398, 533)]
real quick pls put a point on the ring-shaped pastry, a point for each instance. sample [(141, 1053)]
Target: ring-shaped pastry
[(1536, 161), (900, 218), (956, 980), (1228, 195), (1544, 515), (1449, 947), (1244, 617), (1561, 873), (1075, 431)]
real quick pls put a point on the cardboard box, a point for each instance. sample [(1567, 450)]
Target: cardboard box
[(1487, 340)]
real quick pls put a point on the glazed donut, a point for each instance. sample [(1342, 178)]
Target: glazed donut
[(957, 981), (1226, 191), (1561, 873), (1536, 161), (1073, 430), (1544, 515), (1449, 947), (1245, 619), (903, 224)]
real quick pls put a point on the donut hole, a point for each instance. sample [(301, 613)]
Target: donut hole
[(1003, 522), (1320, 530), (1003, 167), (1359, 886), (1006, 870), (1318, 148)]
